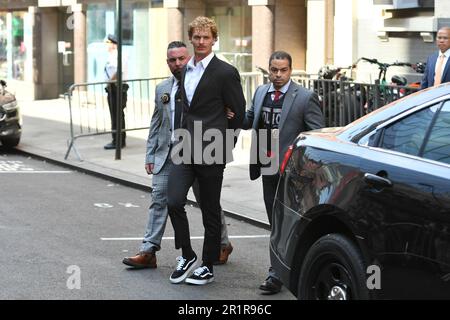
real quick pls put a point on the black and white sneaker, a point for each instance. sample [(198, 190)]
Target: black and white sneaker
[(201, 276), (184, 267)]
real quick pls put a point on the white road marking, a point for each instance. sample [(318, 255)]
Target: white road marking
[(103, 205), (35, 171), (15, 166), (128, 205), (193, 238), (112, 185)]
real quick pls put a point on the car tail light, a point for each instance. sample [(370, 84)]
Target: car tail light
[(286, 158)]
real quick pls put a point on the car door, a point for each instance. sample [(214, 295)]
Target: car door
[(437, 148), (407, 186)]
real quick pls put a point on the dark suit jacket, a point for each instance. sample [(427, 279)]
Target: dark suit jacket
[(428, 77), (219, 87), (300, 112)]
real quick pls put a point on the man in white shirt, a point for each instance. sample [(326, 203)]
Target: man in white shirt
[(111, 89), (208, 86), (437, 70)]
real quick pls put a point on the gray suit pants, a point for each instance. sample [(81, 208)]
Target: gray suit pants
[(157, 213)]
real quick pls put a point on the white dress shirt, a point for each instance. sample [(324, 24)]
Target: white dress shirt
[(172, 107), (111, 66), (283, 89), (194, 73)]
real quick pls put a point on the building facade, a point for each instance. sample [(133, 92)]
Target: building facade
[(47, 45)]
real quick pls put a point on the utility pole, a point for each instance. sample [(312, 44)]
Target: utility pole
[(119, 80)]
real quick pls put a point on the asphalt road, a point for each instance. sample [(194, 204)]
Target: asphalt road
[(63, 236)]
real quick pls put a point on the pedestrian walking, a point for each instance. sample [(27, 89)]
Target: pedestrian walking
[(208, 85), (165, 120), (282, 109)]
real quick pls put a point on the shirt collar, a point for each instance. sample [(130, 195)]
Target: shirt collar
[(283, 89), (447, 53), (204, 62), (175, 81)]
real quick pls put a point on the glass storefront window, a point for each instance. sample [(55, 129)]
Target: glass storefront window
[(19, 52), (101, 22), (234, 21), (3, 46)]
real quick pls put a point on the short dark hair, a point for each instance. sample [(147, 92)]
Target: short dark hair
[(111, 38), (281, 55), (176, 44)]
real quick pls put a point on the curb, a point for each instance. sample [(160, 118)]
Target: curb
[(139, 186)]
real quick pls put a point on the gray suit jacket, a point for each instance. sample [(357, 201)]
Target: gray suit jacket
[(300, 112), (159, 136)]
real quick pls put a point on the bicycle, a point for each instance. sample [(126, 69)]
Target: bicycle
[(383, 92), (339, 95)]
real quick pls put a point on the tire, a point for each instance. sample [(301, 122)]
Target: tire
[(10, 142), (333, 269)]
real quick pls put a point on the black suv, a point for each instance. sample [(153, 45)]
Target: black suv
[(10, 120)]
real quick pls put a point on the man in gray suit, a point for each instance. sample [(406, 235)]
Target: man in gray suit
[(281, 110), (166, 118)]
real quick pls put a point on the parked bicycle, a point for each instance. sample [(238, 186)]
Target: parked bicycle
[(340, 96), (383, 92)]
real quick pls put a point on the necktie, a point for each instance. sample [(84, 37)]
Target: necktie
[(178, 108), (438, 74), (277, 95)]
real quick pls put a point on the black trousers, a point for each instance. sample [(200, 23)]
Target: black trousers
[(270, 184), (209, 178), (111, 89)]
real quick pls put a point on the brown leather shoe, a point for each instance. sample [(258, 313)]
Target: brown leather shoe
[(141, 260), (224, 253)]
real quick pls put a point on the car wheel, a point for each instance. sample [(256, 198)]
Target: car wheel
[(10, 142), (333, 269)]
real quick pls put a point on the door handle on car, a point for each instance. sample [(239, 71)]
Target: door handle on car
[(377, 181)]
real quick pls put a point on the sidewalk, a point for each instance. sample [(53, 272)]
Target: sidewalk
[(46, 131)]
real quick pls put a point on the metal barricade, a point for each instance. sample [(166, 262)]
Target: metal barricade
[(345, 101), (250, 81), (341, 101), (89, 110)]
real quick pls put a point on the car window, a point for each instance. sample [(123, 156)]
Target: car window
[(438, 144), (407, 135)]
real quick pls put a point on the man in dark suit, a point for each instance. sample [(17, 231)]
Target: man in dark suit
[(157, 162), (438, 65), (281, 110), (209, 85)]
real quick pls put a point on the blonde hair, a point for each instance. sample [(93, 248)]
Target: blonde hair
[(203, 23)]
